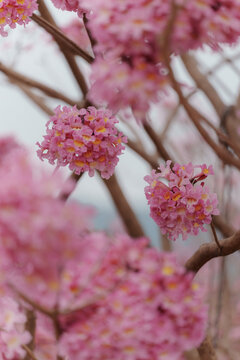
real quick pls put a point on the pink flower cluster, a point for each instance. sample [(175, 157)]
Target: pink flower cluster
[(12, 330), (134, 83), (117, 298), (14, 12), (38, 234), (129, 58), (84, 139), (178, 204), (147, 307)]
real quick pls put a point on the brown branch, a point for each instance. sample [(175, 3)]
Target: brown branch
[(35, 305), (203, 84), (30, 327), (220, 296), (206, 350), (151, 159), (132, 224), (16, 76), (91, 38), (220, 150), (226, 230), (65, 195), (209, 251), (165, 37), (166, 243), (191, 355), (215, 235), (69, 57), (60, 37), (37, 100), (29, 352), (223, 138), (157, 142)]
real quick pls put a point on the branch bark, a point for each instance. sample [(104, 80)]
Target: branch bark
[(203, 84), (60, 37), (132, 224), (206, 350), (22, 79), (68, 56), (209, 251)]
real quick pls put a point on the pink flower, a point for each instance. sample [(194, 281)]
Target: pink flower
[(38, 233), (142, 304), (126, 83), (181, 206), (14, 12), (84, 139)]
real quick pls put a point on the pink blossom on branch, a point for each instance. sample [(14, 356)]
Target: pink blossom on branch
[(130, 32), (178, 204), (117, 297), (14, 12), (149, 307), (84, 139)]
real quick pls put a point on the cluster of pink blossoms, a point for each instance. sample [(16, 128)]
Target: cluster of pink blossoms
[(14, 12), (117, 298), (84, 139), (38, 234), (128, 36), (181, 206), (144, 305), (12, 330)]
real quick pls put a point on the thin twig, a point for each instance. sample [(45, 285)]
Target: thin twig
[(69, 57), (29, 352), (35, 305), (75, 178), (25, 80), (220, 151), (37, 100), (203, 84), (157, 142), (30, 327), (226, 229), (215, 235), (127, 214), (59, 35)]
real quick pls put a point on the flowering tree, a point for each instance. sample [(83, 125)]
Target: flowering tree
[(69, 292)]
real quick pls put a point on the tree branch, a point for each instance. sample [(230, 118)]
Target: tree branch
[(69, 57), (132, 224), (209, 251), (60, 37), (18, 77), (29, 352), (206, 350), (203, 84)]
